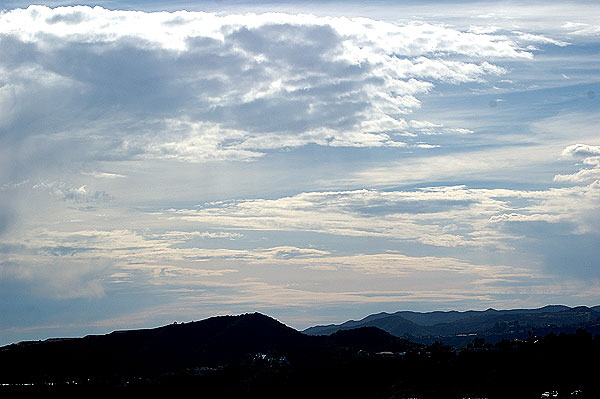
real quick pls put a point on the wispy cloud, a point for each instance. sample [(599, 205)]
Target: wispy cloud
[(104, 175), (440, 216)]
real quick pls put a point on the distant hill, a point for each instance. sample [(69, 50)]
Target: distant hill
[(459, 328), (253, 355)]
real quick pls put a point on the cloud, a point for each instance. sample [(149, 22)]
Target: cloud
[(199, 87), (104, 175), (83, 263), (217, 240), (584, 175), (518, 217), (429, 128), (182, 236), (582, 29), (532, 38), (158, 264), (289, 252), (394, 263), (66, 278), (581, 150), (453, 216), (380, 175), (169, 258), (538, 156), (79, 194), (591, 157)]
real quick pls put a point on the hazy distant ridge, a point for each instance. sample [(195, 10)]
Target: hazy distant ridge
[(491, 324)]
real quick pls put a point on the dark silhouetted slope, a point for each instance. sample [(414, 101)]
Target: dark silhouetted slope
[(370, 339), (253, 355), (209, 342)]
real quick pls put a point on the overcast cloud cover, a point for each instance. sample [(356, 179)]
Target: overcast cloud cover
[(316, 162)]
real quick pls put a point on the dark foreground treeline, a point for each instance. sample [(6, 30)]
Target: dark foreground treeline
[(255, 356)]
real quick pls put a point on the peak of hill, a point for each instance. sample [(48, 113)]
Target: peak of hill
[(370, 339)]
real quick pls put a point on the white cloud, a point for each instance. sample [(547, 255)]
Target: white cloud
[(426, 146), (591, 157), (483, 29), (532, 38), (429, 128), (171, 30), (198, 87), (450, 71), (582, 29), (182, 236), (104, 175), (582, 176), (427, 215), (581, 150)]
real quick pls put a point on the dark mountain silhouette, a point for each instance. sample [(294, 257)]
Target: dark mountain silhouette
[(458, 328), (253, 355), (209, 343)]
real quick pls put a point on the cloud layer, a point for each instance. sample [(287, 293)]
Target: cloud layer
[(184, 164), (196, 86)]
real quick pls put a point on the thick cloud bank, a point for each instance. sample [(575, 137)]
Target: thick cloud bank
[(196, 86)]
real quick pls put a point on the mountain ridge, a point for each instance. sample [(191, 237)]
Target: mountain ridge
[(254, 355), (491, 324), (211, 343)]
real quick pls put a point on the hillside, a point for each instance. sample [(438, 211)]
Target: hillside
[(150, 352), (209, 343)]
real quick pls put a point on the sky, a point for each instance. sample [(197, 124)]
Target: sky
[(313, 161)]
